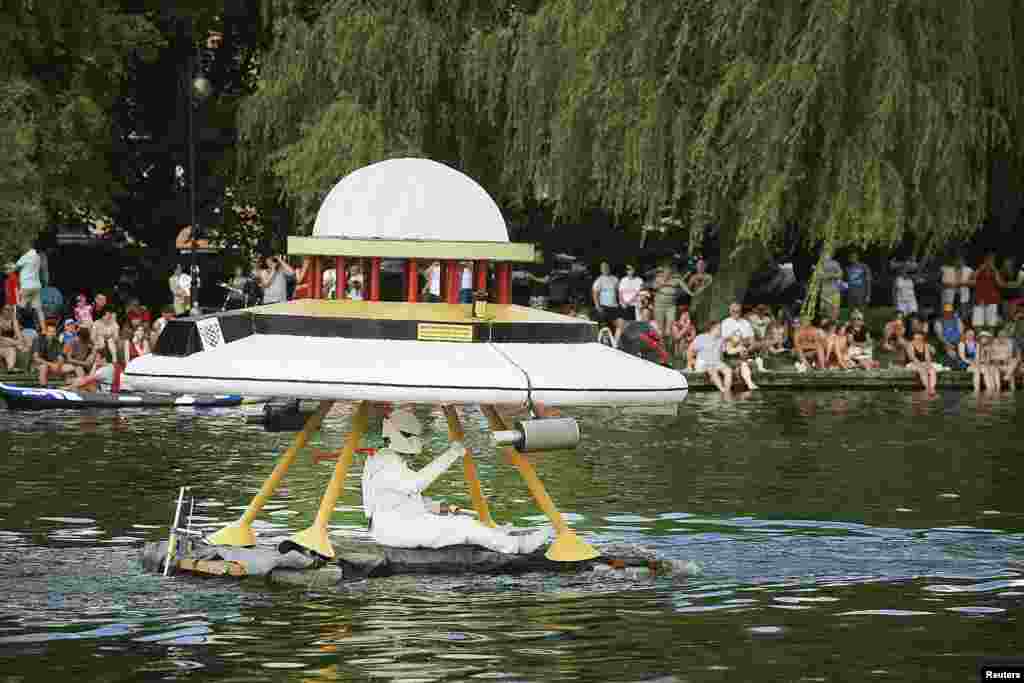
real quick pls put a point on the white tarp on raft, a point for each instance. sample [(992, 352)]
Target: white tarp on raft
[(414, 371)]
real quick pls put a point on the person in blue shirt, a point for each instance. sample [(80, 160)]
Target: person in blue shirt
[(858, 279)]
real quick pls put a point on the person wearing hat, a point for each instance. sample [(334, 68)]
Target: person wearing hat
[(949, 328), (401, 517)]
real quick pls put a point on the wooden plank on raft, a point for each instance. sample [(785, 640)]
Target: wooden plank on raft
[(212, 567)]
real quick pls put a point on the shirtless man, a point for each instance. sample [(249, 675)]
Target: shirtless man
[(105, 331), (808, 344)]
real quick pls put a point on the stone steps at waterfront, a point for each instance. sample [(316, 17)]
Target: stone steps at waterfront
[(840, 379)]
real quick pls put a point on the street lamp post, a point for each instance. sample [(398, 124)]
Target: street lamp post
[(199, 88)]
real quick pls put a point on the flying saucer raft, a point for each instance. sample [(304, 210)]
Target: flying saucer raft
[(335, 351)]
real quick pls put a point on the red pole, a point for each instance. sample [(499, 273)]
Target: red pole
[(412, 281), (481, 275), (341, 277), (339, 268), (316, 290), (116, 387), (375, 278), (504, 277), (446, 280)]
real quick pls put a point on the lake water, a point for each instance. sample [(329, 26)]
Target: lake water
[(840, 536)]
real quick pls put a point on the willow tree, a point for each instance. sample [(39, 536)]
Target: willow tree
[(350, 82), (861, 121)]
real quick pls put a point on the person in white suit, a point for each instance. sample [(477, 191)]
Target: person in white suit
[(400, 516)]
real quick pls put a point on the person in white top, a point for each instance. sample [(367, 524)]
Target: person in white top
[(956, 278), (401, 517), (605, 293), (432, 289), (629, 293), (30, 281), (466, 284), (735, 323)]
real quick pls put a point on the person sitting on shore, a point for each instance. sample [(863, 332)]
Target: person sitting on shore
[(985, 371), (1004, 354), (81, 354), (967, 350), (136, 311), (106, 328), (83, 311), (1014, 331), (48, 355), (808, 345), (683, 332), (137, 344), (949, 329), (774, 339), (166, 315), (760, 317), (705, 355), (12, 341), (736, 355), (837, 348), (861, 351), (894, 334), (919, 359)]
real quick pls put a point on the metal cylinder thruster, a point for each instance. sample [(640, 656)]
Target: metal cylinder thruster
[(531, 436)]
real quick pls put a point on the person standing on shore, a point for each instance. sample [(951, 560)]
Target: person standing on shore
[(629, 293), (29, 267), (858, 277), (180, 295), (272, 280), (987, 281)]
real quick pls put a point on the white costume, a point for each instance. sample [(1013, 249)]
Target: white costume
[(400, 517)]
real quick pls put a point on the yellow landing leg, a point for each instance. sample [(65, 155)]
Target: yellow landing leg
[(240, 533), (455, 433), (567, 547), (315, 537)]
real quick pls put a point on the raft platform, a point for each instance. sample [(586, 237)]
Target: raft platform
[(287, 564)]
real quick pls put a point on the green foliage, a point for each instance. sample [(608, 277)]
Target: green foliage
[(60, 74), (863, 122)]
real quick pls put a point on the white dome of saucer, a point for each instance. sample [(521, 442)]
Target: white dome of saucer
[(410, 199)]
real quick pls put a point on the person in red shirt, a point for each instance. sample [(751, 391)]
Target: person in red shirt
[(136, 312), (987, 281), (11, 286)]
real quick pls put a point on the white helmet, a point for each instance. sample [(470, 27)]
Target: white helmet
[(403, 429)]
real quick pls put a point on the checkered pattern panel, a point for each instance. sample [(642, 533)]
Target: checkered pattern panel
[(210, 333)]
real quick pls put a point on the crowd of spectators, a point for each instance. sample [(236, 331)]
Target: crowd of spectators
[(980, 329), (85, 342)]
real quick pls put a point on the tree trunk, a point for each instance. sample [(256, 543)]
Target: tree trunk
[(736, 266)]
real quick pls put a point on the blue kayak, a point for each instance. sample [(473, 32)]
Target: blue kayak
[(42, 398)]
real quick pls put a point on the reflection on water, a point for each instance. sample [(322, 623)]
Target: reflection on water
[(850, 535)]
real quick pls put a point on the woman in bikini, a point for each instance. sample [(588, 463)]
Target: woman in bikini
[(919, 359), (12, 341), (861, 351), (137, 345), (837, 350)]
